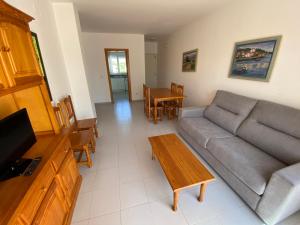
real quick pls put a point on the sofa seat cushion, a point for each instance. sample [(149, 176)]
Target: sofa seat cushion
[(248, 163), (202, 130)]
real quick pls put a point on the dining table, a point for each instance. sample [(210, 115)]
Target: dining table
[(162, 95)]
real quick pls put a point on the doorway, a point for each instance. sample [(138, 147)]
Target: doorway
[(118, 74), (151, 69)]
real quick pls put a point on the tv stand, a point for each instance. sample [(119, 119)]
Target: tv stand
[(21, 167)]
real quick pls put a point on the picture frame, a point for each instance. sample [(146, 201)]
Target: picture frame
[(37, 49), (189, 61), (254, 59)]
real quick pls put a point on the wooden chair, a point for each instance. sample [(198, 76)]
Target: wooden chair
[(150, 106), (81, 141), (180, 89), (173, 87), (173, 107), (170, 106), (84, 124)]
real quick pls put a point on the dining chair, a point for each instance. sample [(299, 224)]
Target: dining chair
[(173, 87), (85, 124), (179, 90), (150, 106), (170, 107), (81, 141)]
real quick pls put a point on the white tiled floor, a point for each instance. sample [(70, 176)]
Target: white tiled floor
[(125, 187)]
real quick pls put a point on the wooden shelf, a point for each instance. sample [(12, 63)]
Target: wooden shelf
[(11, 90)]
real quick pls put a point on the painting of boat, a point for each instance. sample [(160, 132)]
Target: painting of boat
[(254, 59)]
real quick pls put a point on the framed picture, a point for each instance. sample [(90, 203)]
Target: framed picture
[(189, 61), (254, 60), (40, 59)]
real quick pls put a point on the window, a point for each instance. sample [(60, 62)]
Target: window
[(117, 63)]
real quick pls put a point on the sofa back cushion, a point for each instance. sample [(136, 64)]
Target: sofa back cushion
[(229, 110), (275, 129)]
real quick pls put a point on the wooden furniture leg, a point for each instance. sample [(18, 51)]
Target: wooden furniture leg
[(176, 197), (96, 131), (153, 156), (88, 156), (79, 156), (93, 144), (202, 192), (155, 111)]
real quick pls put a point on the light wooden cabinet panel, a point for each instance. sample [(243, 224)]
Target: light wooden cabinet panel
[(19, 221), (68, 176), (7, 106), (53, 210), (3, 79), (33, 100), (18, 54), (3, 82)]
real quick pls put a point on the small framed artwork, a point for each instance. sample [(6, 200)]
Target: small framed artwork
[(189, 61), (254, 60), (40, 59)]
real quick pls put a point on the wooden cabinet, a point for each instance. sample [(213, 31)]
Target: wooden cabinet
[(3, 82), (53, 210), (68, 176), (20, 72), (47, 197), (18, 54)]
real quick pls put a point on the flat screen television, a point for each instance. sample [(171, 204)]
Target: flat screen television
[(16, 137)]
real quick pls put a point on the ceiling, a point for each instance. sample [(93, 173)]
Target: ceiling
[(150, 17)]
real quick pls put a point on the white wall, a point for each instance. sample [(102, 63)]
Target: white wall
[(44, 26), (215, 34), (94, 45), (68, 27)]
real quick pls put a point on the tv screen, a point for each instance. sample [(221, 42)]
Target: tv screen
[(16, 137)]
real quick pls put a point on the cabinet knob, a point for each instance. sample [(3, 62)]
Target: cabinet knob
[(5, 49), (44, 189)]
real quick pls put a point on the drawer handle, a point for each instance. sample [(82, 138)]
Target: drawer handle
[(44, 189), (5, 49)]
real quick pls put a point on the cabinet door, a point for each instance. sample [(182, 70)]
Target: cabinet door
[(18, 54), (53, 210), (3, 72), (3, 83), (68, 176)]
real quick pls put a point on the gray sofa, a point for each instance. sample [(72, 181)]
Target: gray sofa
[(255, 147)]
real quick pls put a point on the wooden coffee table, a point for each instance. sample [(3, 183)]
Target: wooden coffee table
[(180, 166)]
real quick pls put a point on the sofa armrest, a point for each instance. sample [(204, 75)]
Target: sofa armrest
[(282, 195), (191, 112)]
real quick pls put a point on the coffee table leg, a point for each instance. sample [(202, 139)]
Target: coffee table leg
[(153, 156), (176, 197), (202, 192)]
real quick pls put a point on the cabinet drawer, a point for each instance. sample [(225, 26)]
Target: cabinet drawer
[(60, 155), (36, 193)]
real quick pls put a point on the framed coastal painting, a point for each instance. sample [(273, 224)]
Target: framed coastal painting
[(254, 59), (38, 53), (189, 61)]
